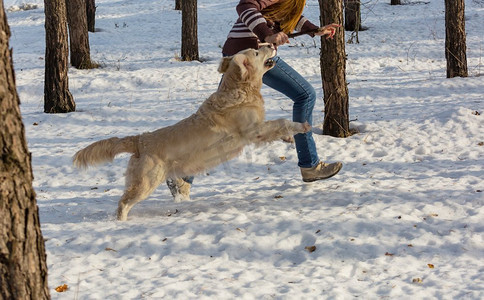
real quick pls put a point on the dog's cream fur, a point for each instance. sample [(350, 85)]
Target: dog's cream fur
[(228, 120)]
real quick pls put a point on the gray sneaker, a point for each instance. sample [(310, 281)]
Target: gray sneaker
[(179, 188), (320, 171)]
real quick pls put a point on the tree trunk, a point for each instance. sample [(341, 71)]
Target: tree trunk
[(78, 34), (455, 38), (57, 98), (352, 15), (333, 72), (189, 47), (91, 15), (178, 4), (23, 268), (395, 2)]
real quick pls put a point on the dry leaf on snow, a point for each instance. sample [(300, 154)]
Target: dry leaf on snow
[(61, 288), (310, 248)]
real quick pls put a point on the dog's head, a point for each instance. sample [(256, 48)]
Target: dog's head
[(248, 65)]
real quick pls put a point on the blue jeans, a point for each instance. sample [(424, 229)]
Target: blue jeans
[(283, 78)]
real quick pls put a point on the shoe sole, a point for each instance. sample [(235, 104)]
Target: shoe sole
[(326, 177)]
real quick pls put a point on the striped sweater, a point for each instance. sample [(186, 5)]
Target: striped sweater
[(251, 27)]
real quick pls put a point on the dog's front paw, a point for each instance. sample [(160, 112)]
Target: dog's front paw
[(301, 127), (306, 127)]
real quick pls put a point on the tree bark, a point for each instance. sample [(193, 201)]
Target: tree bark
[(178, 4), (57, 98), (91, 15), (23, 268), (352, 15), (78, 34), (455, 38), (333, 72), (189, 47)]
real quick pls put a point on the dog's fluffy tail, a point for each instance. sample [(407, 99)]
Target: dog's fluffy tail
[(105, 151)]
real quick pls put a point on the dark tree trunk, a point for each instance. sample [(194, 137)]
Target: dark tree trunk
[(352, 15), (333, 72), (178, 4), (189, 47), (78, 34), (23, 268), (395, 2), (57, 98), (91, 15), (455, 38)]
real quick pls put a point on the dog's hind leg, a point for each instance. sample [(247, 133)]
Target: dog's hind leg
[(142, 177), (276, 129)]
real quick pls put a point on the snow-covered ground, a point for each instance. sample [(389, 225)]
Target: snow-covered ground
[(402, 220)]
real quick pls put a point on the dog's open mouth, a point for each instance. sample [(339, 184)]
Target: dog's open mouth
[(269, 63)]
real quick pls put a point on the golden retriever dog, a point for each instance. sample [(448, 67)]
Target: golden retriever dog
[(228, 120)]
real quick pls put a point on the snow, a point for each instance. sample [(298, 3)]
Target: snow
[(409, 196)]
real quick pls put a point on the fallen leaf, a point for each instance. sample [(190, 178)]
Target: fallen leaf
[(417, 280), (430, 266), (278, 196), (110, 249), (61, 288), (310, 248), (282, 158), (389, 254)]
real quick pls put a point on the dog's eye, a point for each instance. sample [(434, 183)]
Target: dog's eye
[(257, 54)]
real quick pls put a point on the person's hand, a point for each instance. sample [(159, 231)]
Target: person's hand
[(328, 30), (277, 39)]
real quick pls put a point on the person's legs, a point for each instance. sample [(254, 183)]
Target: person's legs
[(288, 81), (180, 187)]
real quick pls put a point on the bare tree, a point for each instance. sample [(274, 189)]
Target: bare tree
[(91, 15), (189, 47), (78, 35), (333, 72), (455, 38), (178, 4), (57, 98), (23, 268), (352, 15)]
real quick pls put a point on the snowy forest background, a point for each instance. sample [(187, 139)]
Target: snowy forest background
[(402, 220)]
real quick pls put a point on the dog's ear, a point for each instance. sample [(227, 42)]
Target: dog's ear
[(239, 59), (243, 63), (224, 64)]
